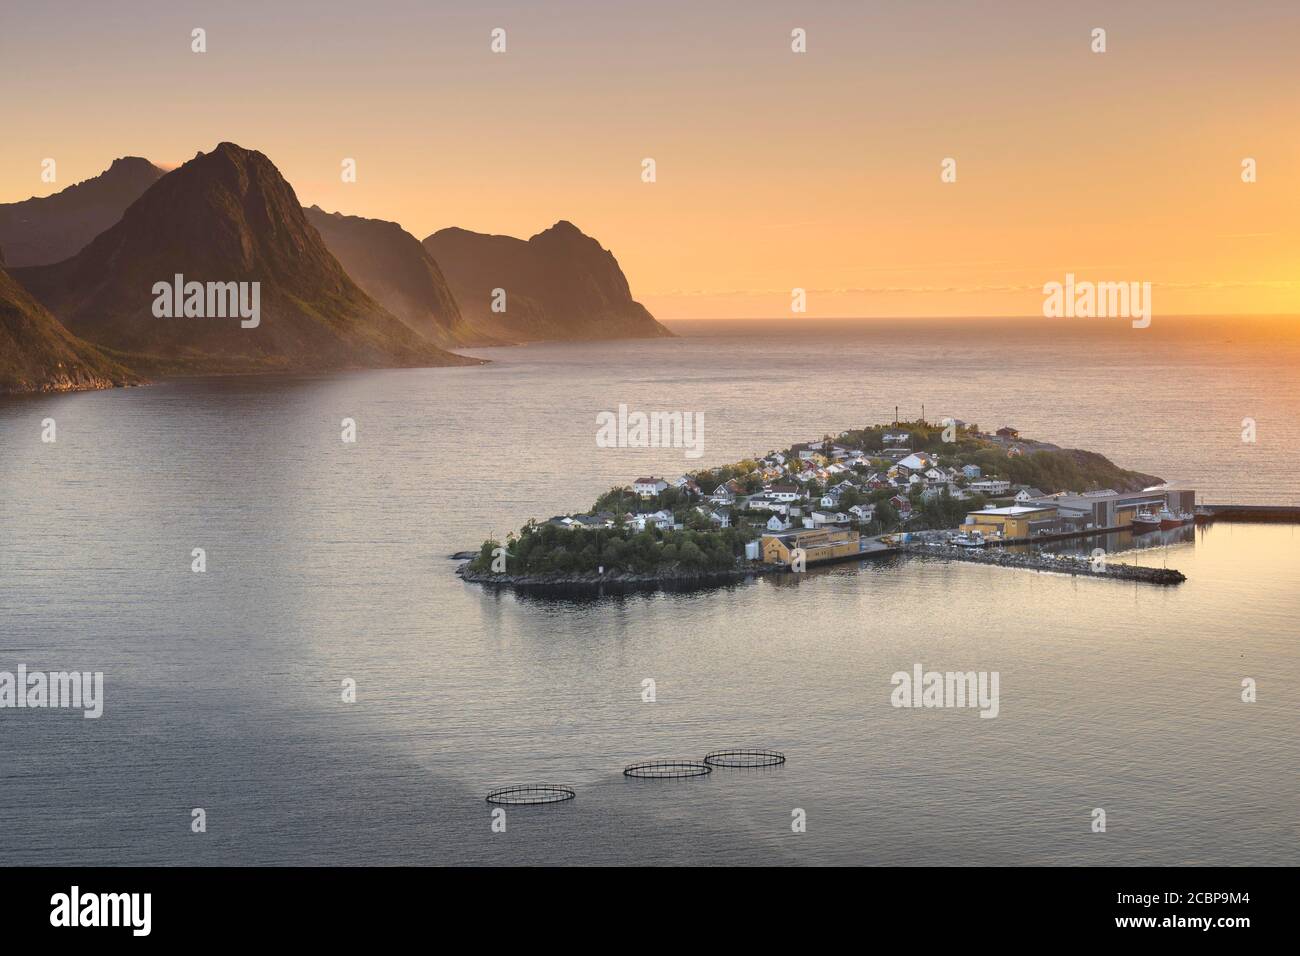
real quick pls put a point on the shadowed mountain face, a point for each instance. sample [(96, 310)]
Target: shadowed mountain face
[(395, 270), (47, 229), (37, 354), (227, 216), (560, 284)]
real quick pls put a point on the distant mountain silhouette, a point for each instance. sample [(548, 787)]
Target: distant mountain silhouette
[(395, 270), (560, 284), (37, 354), (226, 216), (47, 229)]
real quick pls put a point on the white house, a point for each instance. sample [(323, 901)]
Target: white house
[(649, 487), (660, 519), (1029, 494), (990, 486), (777, 523), (971, 471), (917, 461), (863, 512)]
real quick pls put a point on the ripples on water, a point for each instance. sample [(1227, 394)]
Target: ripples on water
[(327, 562)]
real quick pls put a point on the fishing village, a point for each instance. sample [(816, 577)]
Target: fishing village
[(946, 490)]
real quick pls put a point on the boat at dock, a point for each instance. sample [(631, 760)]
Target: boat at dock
[(1146, 521), (1169, 519)]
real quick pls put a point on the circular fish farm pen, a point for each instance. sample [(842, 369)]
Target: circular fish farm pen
[(531, 795), (748, 759), (666, 769)]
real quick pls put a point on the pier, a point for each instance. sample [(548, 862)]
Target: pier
[(1274, 514)]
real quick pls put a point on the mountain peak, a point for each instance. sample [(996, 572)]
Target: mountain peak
[(126, 165), (227, 148), (46, 229), (563, 229)]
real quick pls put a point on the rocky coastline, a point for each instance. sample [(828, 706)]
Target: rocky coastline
[(614, 582)]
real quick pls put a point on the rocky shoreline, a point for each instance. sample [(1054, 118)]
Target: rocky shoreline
[(670, 579), (563, 584), (1059, 564)]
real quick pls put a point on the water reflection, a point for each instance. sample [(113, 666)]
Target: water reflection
[(1114, 543)]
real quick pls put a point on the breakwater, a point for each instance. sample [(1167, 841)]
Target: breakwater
[(1277, 514), (1058, 564)]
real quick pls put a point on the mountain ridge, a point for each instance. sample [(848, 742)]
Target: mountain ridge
[(47, 229), (397, 271), (227, 215), (560, 285)]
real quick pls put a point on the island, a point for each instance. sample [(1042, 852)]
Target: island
[(948, 488)]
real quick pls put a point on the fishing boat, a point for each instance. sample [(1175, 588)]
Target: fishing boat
[(1170, 520), (1145, 521), (970, 539)]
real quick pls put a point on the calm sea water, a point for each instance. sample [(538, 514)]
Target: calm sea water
[(328, 562)]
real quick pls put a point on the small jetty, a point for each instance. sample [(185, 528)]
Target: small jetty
[(1058, 564), (1266, 514)]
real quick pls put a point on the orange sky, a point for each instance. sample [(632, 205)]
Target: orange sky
[(775, 169)]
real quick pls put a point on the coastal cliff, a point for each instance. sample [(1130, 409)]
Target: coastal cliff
[(559, 285)]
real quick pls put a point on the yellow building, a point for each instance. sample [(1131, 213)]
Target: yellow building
[(1013, 522), (823, 544)]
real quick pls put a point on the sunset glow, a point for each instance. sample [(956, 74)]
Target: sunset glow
[(774, 170)]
